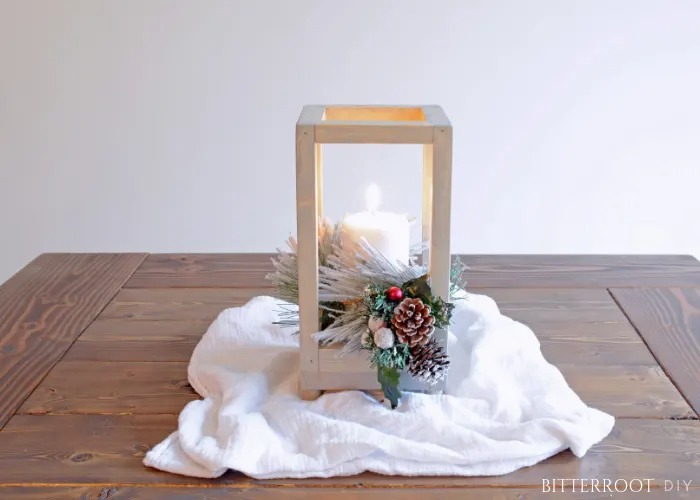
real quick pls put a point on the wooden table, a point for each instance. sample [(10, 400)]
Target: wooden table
[(94, 351)]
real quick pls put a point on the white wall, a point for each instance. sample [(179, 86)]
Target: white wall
[(168, 125)]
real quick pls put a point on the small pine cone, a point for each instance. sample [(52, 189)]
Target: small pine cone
[(413, 322), (428, 362)]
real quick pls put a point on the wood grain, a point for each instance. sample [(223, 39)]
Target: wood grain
[(117, 388), (119, 340), (178, 304), (570, 351), (172, 340), (309, 193), (89, 387), (124, 340), (88, 449), (84, 430), (373, 132), (555, 305), (503, 271), (550, 305), (203, 270), (82, 449), (580, 271), (110, 492), (592, 344), (668, 319), (627, 391), (367, 113), (44, 308)]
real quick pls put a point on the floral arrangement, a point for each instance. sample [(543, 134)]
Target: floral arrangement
[(367, 302)]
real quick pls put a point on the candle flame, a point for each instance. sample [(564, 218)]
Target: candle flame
[(373, 197)]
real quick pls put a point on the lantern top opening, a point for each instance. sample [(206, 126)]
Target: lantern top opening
[(371, 113), (368, 124)]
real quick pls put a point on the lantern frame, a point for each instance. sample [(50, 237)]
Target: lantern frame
[(322, 367)]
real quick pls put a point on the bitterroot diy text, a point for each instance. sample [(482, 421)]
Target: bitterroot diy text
[(607, 485)]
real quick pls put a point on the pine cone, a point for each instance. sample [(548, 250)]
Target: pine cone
[(428, 362), (413, 322)]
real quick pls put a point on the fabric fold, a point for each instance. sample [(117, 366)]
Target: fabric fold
[(505, 407)]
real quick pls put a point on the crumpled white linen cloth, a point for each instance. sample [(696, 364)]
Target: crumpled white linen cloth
[(505, 407)]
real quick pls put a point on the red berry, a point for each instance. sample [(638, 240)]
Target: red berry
[(394, 293)]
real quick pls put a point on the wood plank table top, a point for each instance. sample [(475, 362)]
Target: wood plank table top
[(94, 351)]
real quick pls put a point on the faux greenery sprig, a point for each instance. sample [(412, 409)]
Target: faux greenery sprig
[(382, 304), (389, 364), (359, 284)]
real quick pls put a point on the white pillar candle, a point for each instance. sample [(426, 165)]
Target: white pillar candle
[(388, 232)]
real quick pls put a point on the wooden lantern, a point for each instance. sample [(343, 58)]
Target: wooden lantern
[(322, 368)]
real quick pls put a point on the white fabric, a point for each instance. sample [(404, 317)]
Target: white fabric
[(505, 407)]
